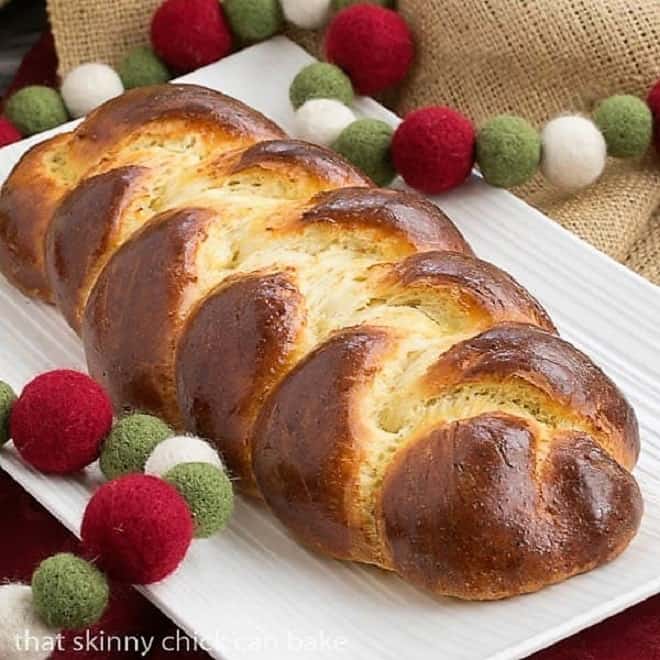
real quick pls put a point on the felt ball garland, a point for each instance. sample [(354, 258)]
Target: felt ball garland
[(18, 614), (435, 148), (369, 48), (136, 528), (653, 101), (573, 152)]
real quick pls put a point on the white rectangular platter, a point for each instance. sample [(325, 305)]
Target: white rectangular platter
[(253, 592)]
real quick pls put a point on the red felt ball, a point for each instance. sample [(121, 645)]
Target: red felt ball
[(373, 45), (188, 34), (434, 149), (138, 528), (653, 100), (60, 421), (8, 132)]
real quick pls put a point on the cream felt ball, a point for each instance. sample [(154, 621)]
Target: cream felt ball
[(88, 86), (306, 14), (18, 619), (321, 121), (573, 152), (180, 449)]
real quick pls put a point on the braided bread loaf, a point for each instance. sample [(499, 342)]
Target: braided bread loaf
[(394, 399)]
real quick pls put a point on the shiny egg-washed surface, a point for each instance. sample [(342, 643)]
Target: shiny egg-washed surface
[(394, 399)]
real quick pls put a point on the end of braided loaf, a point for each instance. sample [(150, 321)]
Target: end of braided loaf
[(394, 399)]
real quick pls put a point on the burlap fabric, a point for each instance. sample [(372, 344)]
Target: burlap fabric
[(536, 58), (98, 30), (539, 58)]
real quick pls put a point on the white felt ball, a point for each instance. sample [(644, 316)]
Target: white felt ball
[(88, 86), (22, 634), (180, 449), (574, 152), (321, 121), (306, 14)]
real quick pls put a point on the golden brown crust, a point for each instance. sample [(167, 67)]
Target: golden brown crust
[(312, 485), (407, 214), (81, 234), (138, 107), (47, 172), (236, 346), (479, 283), (255, 322), (552, 366), (464, 515), (482, 507), (131, 325), (287, 155), (28, 200)]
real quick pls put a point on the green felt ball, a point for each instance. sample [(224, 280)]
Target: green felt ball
[(508, 151), (35, 109), (129, 444), (7, 399), (254, 20), (366, 143), (208, 492), (626, 123), (338, 5), (321, 81), (68, 592), (142, 67)]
